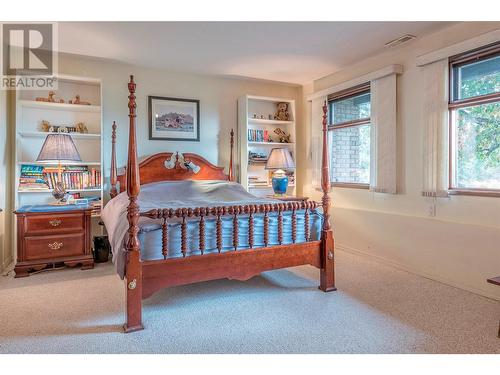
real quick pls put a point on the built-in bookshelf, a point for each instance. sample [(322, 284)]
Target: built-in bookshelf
[(34, 180), (257, 137)]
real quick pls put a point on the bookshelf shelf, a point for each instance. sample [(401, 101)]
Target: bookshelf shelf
[(50, 191), (271, 143), (73, 135), (89, 163), (269, 122), (59, 106)]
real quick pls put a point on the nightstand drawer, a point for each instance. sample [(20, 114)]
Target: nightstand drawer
[(37, 224), (45, 247)]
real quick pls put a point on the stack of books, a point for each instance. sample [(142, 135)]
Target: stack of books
[(255, 135), (32, 178), (74, 177), (256, 181), (96, 207)]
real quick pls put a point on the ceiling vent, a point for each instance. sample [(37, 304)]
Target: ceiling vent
[(402, 39)]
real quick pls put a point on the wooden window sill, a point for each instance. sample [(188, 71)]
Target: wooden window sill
[(350, 186), (475, 192)]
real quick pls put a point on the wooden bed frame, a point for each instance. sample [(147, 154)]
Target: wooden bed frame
[(145, 277)]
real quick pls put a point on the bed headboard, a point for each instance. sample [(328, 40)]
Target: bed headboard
[(154, 169)]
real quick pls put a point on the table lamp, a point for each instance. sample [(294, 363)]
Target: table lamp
[(59, 148), (279, 160)]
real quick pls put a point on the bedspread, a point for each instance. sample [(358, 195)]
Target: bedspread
[(185, 194)]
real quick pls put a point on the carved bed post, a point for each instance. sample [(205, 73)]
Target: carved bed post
[(327, 274), (231, 176), (113, 176), (133, 266)]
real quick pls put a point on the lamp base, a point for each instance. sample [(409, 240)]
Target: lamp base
[(280, 185), (59, 193)]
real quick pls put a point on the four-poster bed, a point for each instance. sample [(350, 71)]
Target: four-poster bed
[(211, 241)]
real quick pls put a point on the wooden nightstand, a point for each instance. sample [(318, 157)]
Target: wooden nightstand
[(288, 198), (52, 234)]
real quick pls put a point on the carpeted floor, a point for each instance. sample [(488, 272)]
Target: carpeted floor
[(377, 309)]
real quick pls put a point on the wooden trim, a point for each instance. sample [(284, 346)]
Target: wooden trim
[(350, 92), (348, 124), (475, 192), (480, 53), (351, 185), (476, 100)]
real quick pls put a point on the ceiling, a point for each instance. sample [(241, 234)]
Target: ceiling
[(292, 52)]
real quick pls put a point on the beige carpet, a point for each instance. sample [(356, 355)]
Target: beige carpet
[(377, 309)]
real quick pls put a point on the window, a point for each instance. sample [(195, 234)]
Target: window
[(475, 121), (350, 137)]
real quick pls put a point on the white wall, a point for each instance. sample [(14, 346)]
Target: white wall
[(461, 244), (218, 105)]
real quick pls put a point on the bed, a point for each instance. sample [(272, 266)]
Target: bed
[(170, 224)]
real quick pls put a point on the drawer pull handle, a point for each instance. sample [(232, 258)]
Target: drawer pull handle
[(55, 222), (55, 246)]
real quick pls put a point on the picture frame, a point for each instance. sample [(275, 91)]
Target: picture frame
[(174, 119)]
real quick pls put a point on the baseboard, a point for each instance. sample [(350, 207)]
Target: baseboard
[(417, 272), (7, 266)]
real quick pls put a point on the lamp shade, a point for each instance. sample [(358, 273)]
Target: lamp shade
[(59, 147), (280, 158)]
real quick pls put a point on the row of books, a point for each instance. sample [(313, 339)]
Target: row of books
[(74, 177), (34, 177), (256, 135)]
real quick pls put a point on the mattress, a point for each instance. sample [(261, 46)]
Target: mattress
[(191, 194)]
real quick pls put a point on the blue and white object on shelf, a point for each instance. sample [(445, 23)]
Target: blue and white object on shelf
[(280, 160)]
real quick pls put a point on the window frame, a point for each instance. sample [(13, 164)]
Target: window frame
[(341, 95), (457, 61)]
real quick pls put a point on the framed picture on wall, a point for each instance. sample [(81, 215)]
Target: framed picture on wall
[(174, 119)]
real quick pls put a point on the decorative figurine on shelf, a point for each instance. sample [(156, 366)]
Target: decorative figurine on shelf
[(270, 117), (78, 101), (50, 98), (255, 115), (81, 128), (283, 137), (59, 129), (282, 112), (262, 117), (45, 126)]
